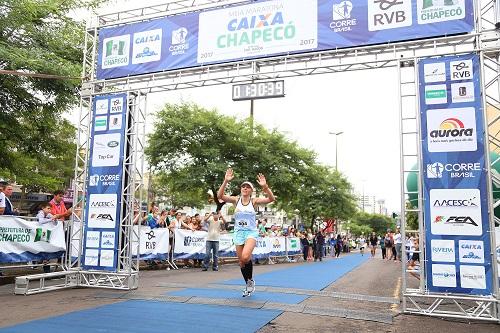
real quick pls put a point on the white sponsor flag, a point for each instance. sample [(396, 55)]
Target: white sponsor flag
[(22, 240), (154, 243), (293, 245), (190, 244), (262, 247), (226, 246), (277, 246)]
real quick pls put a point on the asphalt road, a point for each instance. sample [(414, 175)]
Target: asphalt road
[(373, 278)]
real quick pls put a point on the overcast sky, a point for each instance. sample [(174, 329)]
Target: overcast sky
[(363, 104)]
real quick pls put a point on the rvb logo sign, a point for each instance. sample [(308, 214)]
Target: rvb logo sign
[(432, 11), (451, 130), (453, 170), (389, 14), (455, 212), (342, 19), (461, 70), (115, 51), (444, 276), (443, 250), (116, 105), (471, 251)]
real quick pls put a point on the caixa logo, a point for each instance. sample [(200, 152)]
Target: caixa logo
[(471, 255), (457, 220)]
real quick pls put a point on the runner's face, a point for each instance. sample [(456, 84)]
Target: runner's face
[(246, 189)]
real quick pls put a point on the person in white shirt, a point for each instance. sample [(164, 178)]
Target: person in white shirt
[(397, 243), (213, 223), (2, 197), (362, 244), (44, 216)]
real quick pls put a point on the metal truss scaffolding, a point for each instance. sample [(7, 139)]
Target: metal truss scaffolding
[(416, 299)]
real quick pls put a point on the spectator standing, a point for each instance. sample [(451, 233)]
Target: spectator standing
[(57, 207), (398, 244), (320, 241), (214, 224), (2, 197), (44, 216), (9, 209), (338, 246), (373, 244), (382, 247), (305, 245), (389, 243)]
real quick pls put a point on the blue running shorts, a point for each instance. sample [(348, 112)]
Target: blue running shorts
[(240, 236)]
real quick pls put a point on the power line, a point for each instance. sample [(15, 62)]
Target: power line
[(41, 76)]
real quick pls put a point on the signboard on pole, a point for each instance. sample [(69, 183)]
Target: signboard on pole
[(273, 28), (457, 224), (104, 187)]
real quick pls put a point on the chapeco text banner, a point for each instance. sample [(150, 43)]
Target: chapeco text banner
[(271, 28), (22, 240)]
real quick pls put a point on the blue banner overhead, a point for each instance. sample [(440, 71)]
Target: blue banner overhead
[(270, 28), (456, 219), (105, 173)]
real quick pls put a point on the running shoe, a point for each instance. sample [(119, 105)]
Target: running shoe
[(249, 288)]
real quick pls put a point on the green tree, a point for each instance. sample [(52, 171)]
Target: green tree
[(38, 38), (191, 148), (376, 222)]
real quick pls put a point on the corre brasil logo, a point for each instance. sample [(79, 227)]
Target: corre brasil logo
[(341, 16)]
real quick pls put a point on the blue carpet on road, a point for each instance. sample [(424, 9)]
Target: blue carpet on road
[(147, 316), (313, 275), (236, 294)]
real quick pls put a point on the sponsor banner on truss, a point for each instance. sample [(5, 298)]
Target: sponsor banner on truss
[(276, 27), (22, 241), (104, 183), (457, 225), (191, 245)]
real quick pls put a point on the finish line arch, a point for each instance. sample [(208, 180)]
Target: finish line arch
[(109, 43)]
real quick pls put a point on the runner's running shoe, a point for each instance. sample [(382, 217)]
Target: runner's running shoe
[(249, 288)]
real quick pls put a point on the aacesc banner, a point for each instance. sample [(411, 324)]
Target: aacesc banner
[(269, 28), (22, 241), (456, 218)]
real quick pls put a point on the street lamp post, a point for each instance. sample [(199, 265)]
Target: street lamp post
[(336, 140)]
